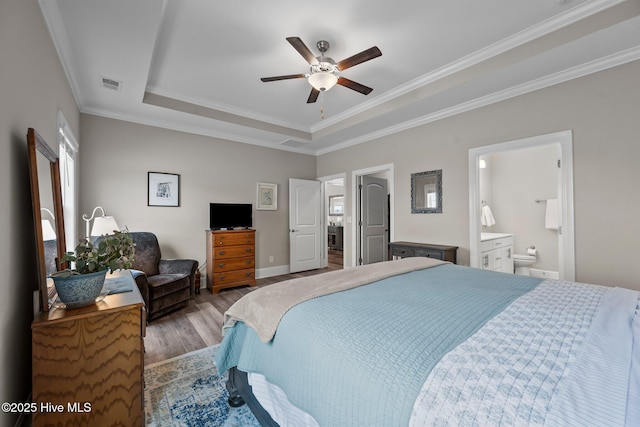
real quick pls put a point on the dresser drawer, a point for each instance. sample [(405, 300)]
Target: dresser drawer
[(402, 252), (429, 253), (233, 252), (232, 264), (232, 239), (223, 278)]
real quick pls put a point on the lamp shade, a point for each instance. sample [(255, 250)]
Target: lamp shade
[(104, 225), (323, 80), (47, 231)]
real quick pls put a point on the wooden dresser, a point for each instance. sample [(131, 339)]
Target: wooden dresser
[(88, 363), (410, 249), (335, 237), (231, 258)]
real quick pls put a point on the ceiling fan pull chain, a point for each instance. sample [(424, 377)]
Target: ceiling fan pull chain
[(322, 105)]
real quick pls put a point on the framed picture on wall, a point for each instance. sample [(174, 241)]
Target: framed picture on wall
[(267, 197), (163, 189)]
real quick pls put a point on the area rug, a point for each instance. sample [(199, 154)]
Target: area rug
[(188, 391)]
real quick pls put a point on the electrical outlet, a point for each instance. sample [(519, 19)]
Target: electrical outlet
[(271, 259)]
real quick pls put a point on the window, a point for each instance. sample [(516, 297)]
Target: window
[(68, 150)]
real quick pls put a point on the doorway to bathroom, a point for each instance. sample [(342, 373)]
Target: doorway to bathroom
[(519, 180)]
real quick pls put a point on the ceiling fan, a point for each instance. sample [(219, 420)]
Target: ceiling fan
[(325, 72)]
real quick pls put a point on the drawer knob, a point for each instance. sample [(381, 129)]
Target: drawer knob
[(248, 262), (221, 265), (221, 278), (248, 274), (221, 253), (248, 250)]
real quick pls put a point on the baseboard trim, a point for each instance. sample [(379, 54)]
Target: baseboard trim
[(262, 273)]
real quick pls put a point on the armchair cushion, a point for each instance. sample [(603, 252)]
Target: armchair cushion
[(147, 252), (181, 266)]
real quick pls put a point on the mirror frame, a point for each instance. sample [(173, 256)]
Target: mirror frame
[(36, 144), (414, 177), (332, 206)]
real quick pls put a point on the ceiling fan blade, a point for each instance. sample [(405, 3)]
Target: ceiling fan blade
[(313, 96), (358, 58), (276, 78), (365, 90), (303, 50)]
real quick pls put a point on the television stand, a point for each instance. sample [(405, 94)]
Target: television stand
[(230, 259)]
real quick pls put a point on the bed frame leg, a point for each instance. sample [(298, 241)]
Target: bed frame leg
[(235, 400)]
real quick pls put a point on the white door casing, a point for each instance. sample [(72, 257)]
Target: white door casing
[(305, 225), (566, 238)]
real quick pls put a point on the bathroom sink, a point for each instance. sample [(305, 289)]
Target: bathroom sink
[(491, 236)]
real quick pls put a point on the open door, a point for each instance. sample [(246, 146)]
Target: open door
[(374, 220), (305, 225)]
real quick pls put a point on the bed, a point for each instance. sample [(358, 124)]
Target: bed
[(417, 342)]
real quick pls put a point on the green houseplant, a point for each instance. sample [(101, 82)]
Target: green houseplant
[(82, 284)]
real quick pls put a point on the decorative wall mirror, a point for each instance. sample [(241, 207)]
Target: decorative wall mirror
[(426, 192), (46, 197), (336, 205)]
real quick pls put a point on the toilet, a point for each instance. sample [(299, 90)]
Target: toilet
[(522, 264)]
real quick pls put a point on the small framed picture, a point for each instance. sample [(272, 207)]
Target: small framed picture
[(267, 197), (163, 189)]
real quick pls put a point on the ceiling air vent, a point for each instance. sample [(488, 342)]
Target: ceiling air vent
[(293, 143), (111, 83)]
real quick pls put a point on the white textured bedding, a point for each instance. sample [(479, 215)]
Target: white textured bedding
[(563, 354)]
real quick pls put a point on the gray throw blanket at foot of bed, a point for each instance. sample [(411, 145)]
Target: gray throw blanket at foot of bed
[(263, 308)]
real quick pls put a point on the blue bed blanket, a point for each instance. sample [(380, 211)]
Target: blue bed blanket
[(360, 357)]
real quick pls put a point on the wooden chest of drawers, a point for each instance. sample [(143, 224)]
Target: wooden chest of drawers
[(230, 259), (89, 361)]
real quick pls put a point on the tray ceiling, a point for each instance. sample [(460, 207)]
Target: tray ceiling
[(195, 65)]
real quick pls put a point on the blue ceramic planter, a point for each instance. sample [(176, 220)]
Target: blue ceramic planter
[(80, 289)]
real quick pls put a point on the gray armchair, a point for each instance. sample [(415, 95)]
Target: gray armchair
[(165, 284)]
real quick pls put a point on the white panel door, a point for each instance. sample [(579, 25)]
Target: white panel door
[(305, 225), (374, 223)]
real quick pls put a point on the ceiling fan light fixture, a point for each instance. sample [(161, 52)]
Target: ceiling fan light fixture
[(323, 80)]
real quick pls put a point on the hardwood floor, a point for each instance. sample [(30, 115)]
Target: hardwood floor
[(200, 324)]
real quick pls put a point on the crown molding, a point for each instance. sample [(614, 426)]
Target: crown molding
[(60, 40), (197, 130), (225, 108), (591, 67), (543, 28)]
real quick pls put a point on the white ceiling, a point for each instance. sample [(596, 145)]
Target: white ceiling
[(196, 65)]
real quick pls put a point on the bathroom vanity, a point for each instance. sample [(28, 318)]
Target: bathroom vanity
[(496, 252)]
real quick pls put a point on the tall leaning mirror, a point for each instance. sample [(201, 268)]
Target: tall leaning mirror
[(46, 197)]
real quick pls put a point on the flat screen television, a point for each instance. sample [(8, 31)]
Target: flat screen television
[(230, 215)]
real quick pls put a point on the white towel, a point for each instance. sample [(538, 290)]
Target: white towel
[(487, 216), (551, 216)]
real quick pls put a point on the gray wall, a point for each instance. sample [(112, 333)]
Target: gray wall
[(601, 109), (116, 156), (33, 87)]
